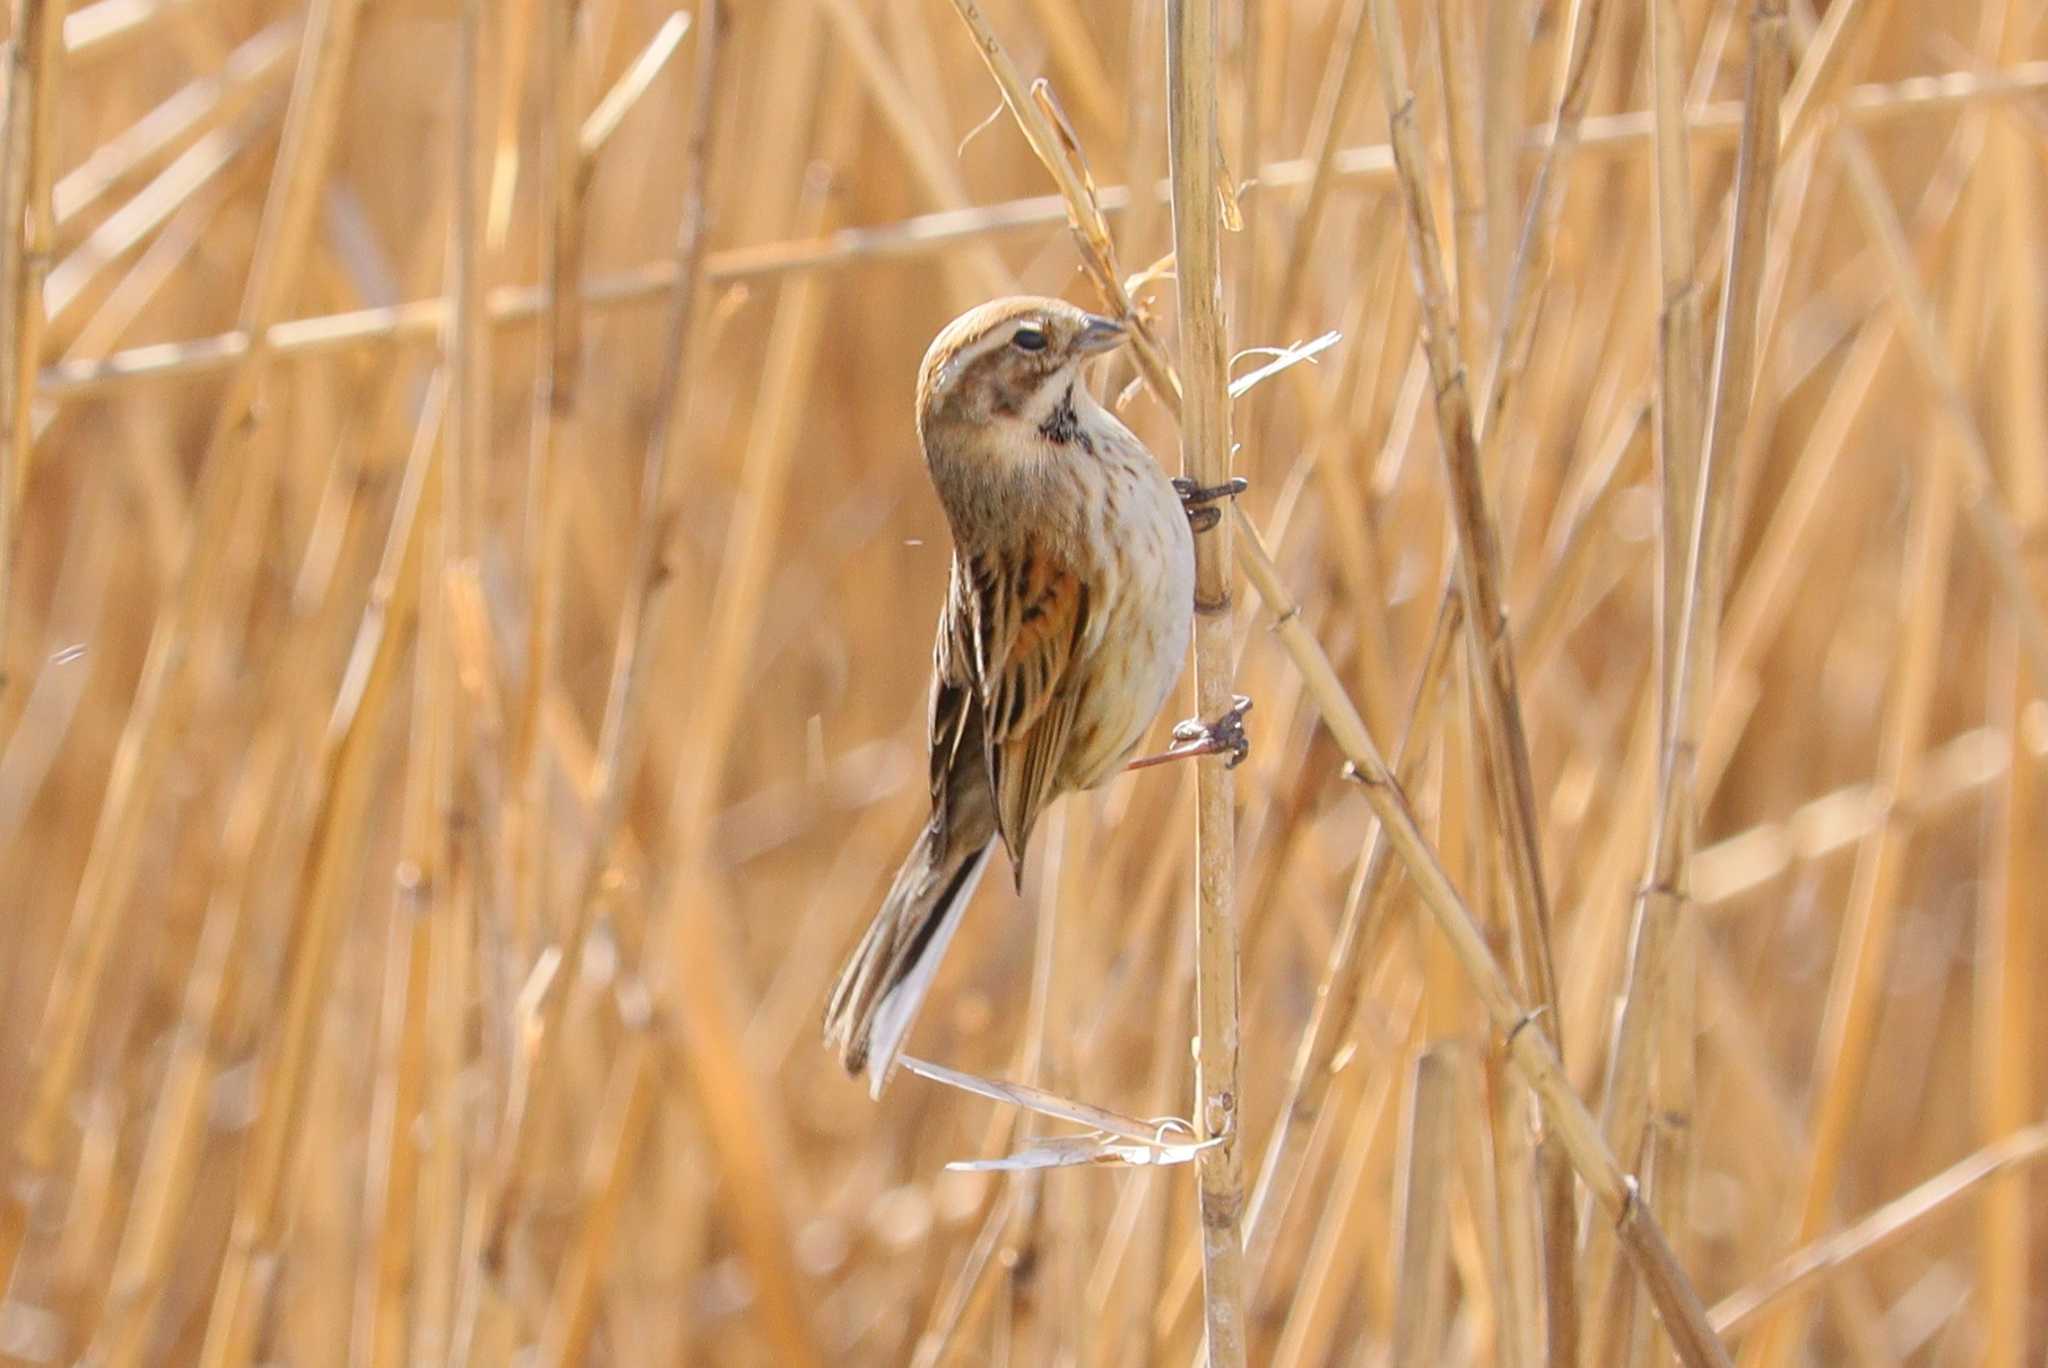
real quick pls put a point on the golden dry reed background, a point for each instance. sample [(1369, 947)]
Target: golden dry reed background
[(453, 726)]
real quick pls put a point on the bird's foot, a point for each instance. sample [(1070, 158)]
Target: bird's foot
[(1224, 736), (1199, 500)]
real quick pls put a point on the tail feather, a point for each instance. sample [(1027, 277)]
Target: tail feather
[(885, 981)]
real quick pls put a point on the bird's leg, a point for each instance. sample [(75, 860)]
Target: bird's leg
[(1198, 499), (1224, 736)]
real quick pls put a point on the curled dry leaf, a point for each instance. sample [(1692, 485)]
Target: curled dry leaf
[(960, 148), (1283, 357)]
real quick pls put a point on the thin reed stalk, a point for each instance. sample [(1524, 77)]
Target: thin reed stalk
[(148, 730), (1339, 990), (27, 138), (619, 743), (1832, 1255), (149, 1242), (693, 998), (1370, 166), (1529, 1050), (622, 1127), (1495, 693), (1708, 484)]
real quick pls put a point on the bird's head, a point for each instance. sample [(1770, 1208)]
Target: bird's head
[(1008, 366)]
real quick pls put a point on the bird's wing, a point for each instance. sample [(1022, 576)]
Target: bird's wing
[(1012, 628)]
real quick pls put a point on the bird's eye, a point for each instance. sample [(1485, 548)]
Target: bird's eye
[(1028, 338)]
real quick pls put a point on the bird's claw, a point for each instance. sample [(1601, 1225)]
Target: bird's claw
[(1198, 500), (1224, 736)]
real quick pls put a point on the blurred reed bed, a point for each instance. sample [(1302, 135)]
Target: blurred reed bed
[(453, 722)]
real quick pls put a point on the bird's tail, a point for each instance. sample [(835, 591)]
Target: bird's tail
[(885, 980)]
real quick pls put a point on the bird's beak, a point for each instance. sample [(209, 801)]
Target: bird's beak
[(1098, 335)]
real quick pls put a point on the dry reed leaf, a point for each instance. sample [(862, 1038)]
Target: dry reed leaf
[(1074, 1151), (1042, 1102), (1283, 357)]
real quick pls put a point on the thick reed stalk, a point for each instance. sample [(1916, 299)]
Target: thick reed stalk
[(2010, 935), (1191, 99)]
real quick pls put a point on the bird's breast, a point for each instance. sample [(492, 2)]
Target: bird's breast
[(1144, 592)]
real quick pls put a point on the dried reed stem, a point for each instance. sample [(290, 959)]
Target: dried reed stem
[(1706, 481), (1682, 400), (1339, 1247), (1515, 329), (518, 33), (1996, 535), (1334, 106), (923, 235), (695, 996), (170, 1161), (1422, 1231), (555, 440), (619, 744), (192, 111), (379, 1333), (2009, 936), (977, 272), (681, 1177), (1078, 196), (1856, 989), (1491, 664), (1191, 104), (622, 1126), (151, 724), (1848, 1028), (1830, 1256), (453, 784), (1341, 986), (1529, 1050), (79, 280), (27, 145)]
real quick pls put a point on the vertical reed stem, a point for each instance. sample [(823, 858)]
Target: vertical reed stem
[(34, 57), (1205, 458)]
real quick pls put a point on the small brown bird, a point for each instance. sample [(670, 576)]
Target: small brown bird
[(1063, 631)]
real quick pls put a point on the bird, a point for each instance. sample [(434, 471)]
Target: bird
[(1063, 630)]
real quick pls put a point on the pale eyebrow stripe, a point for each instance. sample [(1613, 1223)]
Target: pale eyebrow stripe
[(996, 337)]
